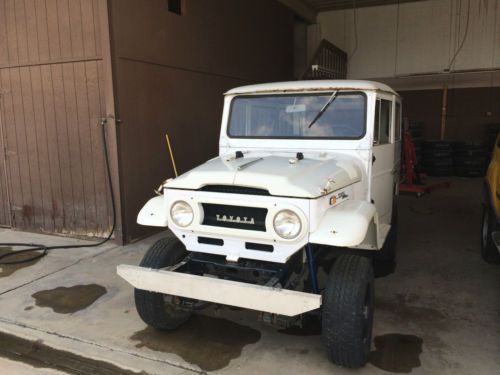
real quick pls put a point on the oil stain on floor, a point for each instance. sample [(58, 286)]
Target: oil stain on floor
[(396, 352), (9, 269), (208, 342), (69, 300)]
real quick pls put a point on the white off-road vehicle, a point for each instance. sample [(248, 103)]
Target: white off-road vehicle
[(287, 219)]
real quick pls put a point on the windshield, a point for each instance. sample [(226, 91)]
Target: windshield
[(289, 116)]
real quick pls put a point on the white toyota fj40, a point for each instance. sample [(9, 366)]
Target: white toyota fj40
[(288, 218)]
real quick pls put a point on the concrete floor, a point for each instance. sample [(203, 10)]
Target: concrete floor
[(439, 313), (19, 368)]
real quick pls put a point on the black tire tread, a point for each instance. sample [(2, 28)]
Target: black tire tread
[(342, 316), (150, 305), (489, 252)]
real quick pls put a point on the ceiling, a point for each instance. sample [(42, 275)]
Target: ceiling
[(324, 5), (309, 9)]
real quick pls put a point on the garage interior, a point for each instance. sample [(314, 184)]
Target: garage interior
[(66, 65), (155, 67)]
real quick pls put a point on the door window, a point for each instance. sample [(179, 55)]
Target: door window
[(382, 131), (377, 123), (397, 129)]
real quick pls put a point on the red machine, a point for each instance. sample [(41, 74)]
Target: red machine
[(411, 178)]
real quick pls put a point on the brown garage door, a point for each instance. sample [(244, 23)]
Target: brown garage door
[(52, 171)]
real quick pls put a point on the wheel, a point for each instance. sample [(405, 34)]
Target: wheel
[(432, 154), (160, 310), (347, 319), (489, 251), (444, 162), (474, 162), (437, 145)]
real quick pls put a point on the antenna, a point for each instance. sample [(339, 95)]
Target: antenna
[(171, 154)]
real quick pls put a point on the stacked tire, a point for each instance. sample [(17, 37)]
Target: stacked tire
[(469, 159), (490, 135), (437, 158)]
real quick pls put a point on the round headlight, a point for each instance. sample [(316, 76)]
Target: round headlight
[(181, 213), (287, 224)]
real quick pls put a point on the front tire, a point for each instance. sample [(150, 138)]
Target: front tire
[(348, 311), (155, 309), (489, 251)]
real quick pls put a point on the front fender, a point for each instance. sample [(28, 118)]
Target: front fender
[(154, 213), (345, 225)]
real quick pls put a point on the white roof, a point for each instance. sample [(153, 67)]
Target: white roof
[(313, 85)]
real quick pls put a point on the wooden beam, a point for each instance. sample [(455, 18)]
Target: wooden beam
[(327, 5), (443, 111), (110, 116), (51, 61), (302, 9)]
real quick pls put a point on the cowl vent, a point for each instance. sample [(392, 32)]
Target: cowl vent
[(231, 189)]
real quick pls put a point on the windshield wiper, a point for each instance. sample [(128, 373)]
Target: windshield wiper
[(320, 113)]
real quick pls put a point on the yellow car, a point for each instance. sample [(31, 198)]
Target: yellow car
[(490, 232)]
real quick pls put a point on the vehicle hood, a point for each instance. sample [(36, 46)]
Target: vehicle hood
[(305, 178)]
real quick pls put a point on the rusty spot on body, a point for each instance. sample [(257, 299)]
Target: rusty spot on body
[(396, 352), (9, 269), (210, 343), (69, 300)]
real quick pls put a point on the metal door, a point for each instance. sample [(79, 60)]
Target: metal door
[(5, 215), (52, 98), (384, 156)]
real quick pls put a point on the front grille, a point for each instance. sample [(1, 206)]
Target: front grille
[(237, 217), (211, 241), (231, 189), (259, 247)]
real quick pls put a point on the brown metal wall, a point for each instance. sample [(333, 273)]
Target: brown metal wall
[(51, 74), (468, 111), (4, 197), (170, 73)]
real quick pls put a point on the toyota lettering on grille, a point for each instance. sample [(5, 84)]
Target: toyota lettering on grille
[(235, 219)]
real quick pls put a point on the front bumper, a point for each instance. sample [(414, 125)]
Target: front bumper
[(249, 296), (233, 242)]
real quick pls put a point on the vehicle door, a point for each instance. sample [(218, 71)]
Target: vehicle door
[(385, 158)]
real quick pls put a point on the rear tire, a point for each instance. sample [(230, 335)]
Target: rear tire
[(156, 309), (348, 311), (489, 250)]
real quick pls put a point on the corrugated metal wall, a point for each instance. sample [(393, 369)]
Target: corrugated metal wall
[(52, 175), (171, 71)]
